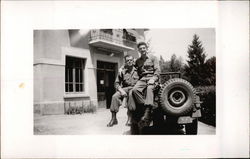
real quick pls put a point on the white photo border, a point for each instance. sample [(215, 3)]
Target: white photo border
[(19, 19)]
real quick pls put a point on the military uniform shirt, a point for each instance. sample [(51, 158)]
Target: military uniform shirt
[(126, 78), (149, 67)]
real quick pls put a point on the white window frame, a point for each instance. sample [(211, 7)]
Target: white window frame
[(74, 83)]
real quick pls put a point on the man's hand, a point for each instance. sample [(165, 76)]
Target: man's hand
[(124, 102), (120, 71), (123, 93), (151, 82)]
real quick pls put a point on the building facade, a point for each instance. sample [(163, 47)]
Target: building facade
[(77, 68)]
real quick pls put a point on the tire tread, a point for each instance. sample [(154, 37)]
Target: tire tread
[(179, 80)]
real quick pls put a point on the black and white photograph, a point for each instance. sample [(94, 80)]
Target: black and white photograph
[(125, 81)]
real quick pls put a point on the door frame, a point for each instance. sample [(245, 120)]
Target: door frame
[(97, 80)]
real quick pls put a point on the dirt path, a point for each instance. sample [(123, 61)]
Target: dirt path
[(89, 123)]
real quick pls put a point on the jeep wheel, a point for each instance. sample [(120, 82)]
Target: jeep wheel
[(177, 96), (191, 129)]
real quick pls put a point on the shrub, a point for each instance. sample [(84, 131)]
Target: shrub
[(208, 107), (84, 108), (74, 110), (90, 108)]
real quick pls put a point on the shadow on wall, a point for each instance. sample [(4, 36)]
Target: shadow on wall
[(79, 38)]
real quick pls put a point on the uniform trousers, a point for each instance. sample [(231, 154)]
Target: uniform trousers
[(139, 90), (117, 97)]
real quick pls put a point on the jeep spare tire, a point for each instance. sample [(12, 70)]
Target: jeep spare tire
[(177, 97)]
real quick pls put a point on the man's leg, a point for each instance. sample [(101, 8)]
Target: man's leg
[(128, 90), (149, 101), (138, 94), (137, 91), (124, 102), (125, 99), (114, 108), (131, 101), (150, 95)]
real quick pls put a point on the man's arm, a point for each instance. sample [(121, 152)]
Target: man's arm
[(118, 83), (156, 70)]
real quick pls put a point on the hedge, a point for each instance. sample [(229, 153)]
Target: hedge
[(208, 107)]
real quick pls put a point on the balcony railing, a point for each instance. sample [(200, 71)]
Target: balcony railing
[(112, 37)]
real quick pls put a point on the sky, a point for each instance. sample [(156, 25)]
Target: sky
[(166, 42)]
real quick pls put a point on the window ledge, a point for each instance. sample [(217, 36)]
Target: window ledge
[(75, 95)]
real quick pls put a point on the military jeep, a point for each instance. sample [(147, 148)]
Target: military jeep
[(176, 110)]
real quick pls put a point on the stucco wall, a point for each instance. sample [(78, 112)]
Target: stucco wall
[(50, 51), (48, 43), (79, 38), (48, 83), (99, 55), (38, 87), (53, 82)]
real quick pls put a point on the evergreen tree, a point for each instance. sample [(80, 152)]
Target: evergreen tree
[(173, 67), (175, 64), (211, 71), (161, 62), (163, 65), (195, 69)]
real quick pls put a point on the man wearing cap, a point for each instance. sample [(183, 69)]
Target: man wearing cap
[(126, 79), (148, 70)]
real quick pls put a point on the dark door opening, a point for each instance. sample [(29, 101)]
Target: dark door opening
[(106, 74)]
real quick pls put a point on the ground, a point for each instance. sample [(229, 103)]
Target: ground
[(91, 123)]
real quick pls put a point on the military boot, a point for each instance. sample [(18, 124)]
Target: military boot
[(146, 118), (113, 120)]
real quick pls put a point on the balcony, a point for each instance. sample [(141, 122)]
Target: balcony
[(114, 39)]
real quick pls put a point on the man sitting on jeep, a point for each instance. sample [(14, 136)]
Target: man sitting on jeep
[(126, 79), (148, 70)]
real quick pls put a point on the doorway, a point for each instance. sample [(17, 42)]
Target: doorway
[(106, 74)]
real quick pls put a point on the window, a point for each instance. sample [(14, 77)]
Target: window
[(74, 74), (107, 31)]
